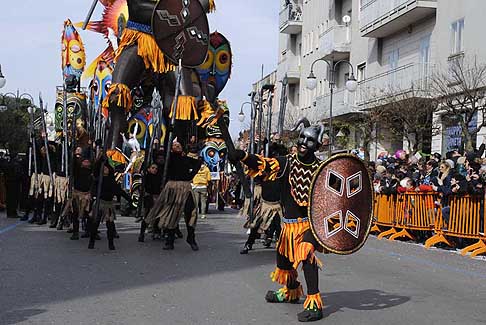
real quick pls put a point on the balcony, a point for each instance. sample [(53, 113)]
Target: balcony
[(290, 65), (290, 21), (381, 18), (412, 80), (335, 43), (342, 104)]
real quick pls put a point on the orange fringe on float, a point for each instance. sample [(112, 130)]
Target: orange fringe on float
[(185, 106), (122, 95), (290, 239), (205, 111), (306, 251), (148, 50), (313, 302), (283, 277), (212, 6)]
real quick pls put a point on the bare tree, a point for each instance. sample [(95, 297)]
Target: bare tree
[(409, 115), (460, 93)]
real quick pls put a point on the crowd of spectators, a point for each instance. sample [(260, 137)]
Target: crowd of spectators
[(455, 173)]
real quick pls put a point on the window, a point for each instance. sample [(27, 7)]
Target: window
[(457, 37), (361, 72)]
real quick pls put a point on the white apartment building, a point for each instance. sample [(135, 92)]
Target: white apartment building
[(389, 42)]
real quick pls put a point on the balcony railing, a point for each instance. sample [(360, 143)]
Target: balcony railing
[(379, 18), (336, 39), (290, 21), (342, 103), (291, 66), (396, 82)]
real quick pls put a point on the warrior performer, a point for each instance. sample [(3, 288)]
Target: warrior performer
[(177, 198), (109, 188), (297, 244), (268, 210)]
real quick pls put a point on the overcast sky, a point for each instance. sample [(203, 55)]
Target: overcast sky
[(30, 33)]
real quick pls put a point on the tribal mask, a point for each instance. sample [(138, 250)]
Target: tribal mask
[(102, 83), (214, 154), (76, 109), (310, 137), (216, 70), (73, 55)]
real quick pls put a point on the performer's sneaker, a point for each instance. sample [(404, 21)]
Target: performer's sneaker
[(279, 296), (193, 245), (310, 315), (267, 243), (246, 249)]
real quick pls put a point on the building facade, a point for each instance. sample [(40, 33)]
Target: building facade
[(394, 46)]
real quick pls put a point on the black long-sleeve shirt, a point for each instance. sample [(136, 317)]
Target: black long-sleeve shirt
[(182, 168), (83, 177)]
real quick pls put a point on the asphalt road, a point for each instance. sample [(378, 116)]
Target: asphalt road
[(47, 279)]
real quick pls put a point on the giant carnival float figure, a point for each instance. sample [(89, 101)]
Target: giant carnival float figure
[(326, 206)]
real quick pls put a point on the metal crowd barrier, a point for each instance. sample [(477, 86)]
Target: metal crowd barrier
[(398, 216)]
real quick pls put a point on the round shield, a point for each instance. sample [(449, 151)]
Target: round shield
[(181, 31), (341, 204)]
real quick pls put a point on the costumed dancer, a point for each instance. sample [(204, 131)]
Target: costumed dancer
[(297, 244), (45, 190), (109, 188), (268, 211), (177, 198), (81, 197), (153, 184)]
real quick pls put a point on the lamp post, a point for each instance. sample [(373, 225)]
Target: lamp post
[(17, 96), (3, 81), (351, 85)]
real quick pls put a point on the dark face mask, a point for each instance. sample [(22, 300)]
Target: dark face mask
[(308, 141)]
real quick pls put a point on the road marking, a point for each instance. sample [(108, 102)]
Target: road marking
[(431, 264), (11, 227)]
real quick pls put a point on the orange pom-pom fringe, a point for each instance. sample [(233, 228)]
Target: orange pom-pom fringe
[(186, 108), (313, 302), (153, 58), (120, 95), (283, 277)]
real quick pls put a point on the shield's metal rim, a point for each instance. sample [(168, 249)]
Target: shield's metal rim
[(207, 45), (311, 189)]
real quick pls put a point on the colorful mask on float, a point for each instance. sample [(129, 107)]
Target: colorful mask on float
[(101, 84), (73, 54), (216, 70), (214, 154), (76, 109), (142, 123)]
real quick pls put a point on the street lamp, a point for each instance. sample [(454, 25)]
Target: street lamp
[(3, 81), (241, 114), (351, 86)]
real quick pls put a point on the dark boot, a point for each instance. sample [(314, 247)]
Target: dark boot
[(43, 220), (191, 238), (54, 221), (35, 217), (93, 234), (169, 241), (25, 217), (309, 315), (246, 248), (110, 226), (178, 233), (75, 235), (268, 242), (141, 236), (87, 232), (60, 223)]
